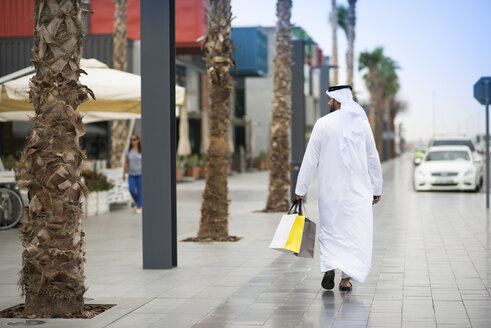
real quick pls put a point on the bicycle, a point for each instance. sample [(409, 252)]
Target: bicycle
[(11, 206)]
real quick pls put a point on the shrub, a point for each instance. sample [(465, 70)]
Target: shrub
[(193, 160), (96, 181), (203, 159)]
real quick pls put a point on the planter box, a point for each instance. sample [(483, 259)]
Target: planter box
[(179, 173), (96, 203), (193, 172), (91, 204), (262, 165), (102, 202), (202, 171), (83, 201)]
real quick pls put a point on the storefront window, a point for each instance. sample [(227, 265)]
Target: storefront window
[(181, 76), (95, 142)]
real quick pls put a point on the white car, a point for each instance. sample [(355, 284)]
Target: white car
[(448, 168), (458, 141)]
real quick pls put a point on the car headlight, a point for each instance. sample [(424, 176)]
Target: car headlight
[(470, 171), (420, 173)]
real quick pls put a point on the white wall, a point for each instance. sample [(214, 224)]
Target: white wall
[(259, 104), (259, 98)]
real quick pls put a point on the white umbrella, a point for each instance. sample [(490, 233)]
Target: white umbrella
[(118, 94), (184, 146), (205, 132)]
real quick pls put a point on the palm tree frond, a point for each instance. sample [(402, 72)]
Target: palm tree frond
[(343, 18)]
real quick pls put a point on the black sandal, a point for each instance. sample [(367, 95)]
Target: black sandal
[(346, 289), (328, 280)]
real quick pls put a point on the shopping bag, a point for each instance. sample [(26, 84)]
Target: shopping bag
[(308, 240), (289, 233)]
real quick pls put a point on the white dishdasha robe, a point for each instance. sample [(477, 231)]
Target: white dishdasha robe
[(349, 175)]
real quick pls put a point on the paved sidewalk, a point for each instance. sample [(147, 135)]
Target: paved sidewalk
[(431, 266)]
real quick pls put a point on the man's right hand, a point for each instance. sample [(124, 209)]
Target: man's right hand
[(376, 199)]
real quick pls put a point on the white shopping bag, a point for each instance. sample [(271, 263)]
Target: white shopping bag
[(286, 237)]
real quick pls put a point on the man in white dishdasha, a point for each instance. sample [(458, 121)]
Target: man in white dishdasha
[(349, 183)]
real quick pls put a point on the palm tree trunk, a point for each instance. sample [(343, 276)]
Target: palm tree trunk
[(119, 128), (351, 41), (120, 35), (279, 175), (391, 127), (373, 89), (379, 125), (334, 55), (219, 46), (52, 275)]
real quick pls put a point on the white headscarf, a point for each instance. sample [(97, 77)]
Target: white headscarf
[(352, 119)]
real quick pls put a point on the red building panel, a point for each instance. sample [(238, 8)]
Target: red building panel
[(16, 18), (102, 20), (319, 56), (191, 22)]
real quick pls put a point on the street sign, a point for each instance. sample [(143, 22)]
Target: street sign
[(482, 92), (480, 89)]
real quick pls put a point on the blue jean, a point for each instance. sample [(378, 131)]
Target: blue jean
[(135, 182)]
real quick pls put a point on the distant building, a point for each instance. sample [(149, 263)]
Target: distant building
[(258, 89), (251, 103)]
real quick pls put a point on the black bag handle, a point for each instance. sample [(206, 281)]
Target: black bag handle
[(294, 204), (297, 207)]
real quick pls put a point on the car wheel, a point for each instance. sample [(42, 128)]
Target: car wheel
[(478, 186)]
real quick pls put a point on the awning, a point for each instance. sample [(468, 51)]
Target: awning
[(118, 94)]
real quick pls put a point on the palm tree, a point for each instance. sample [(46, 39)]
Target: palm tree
[(343, 18), (391, 86), (119, 128), (52, 275), (351, 40), (395, 106), (382, 83), (334, 55), (372, 61), (219, 47), (279, 175), (346, 21)]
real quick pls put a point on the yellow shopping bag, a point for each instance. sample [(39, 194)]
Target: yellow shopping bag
[(288, 235), (295, 237)]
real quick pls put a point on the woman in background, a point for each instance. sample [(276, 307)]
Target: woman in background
[(133, 166)]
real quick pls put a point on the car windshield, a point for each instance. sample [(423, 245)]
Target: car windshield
[(448, 155), (449, 142)]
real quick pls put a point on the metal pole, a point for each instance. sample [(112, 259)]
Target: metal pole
[(486, 93), (434, 114), (298, 112), (158, 133), (324, 85)]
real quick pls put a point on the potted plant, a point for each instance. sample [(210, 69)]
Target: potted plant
[(98, 185), (262, 161), (202, 167), (179, 168), (11, 163), (192, 167)]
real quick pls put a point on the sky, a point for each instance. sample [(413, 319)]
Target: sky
[(442, 48)]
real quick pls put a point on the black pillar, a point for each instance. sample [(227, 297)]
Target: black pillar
[(324, 85), (298, 112), (158, 133)]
